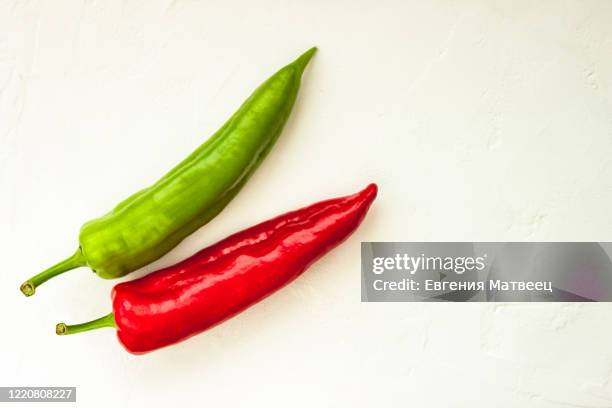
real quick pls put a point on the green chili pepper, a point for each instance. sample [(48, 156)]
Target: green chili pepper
[(151, 222)]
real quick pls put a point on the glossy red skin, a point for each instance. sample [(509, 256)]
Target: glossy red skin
[(177, 302)]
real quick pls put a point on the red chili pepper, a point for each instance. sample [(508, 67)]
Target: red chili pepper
[(224, 279)]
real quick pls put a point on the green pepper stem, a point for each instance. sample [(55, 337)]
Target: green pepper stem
[(303, 59), (62, 329), (78, 259)]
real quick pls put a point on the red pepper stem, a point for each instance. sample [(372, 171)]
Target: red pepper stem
[(78, 259), (106, 321)]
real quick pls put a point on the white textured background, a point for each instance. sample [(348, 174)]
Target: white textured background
[(483, 120)]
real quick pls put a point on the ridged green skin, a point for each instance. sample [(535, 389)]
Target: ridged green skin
[(151, 222)]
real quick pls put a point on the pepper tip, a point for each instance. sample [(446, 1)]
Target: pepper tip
[(28, 288), (60, 329), (303, 59), (371, 190)]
